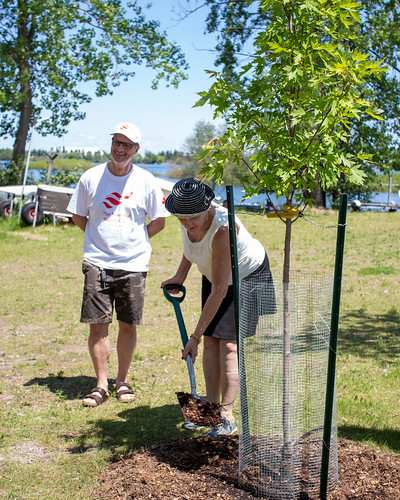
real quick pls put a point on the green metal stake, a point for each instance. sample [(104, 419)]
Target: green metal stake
[(244, 409), (234, 257), (330, 384)]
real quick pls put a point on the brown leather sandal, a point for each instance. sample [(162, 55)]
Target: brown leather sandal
[(122, 392), (96, 399)]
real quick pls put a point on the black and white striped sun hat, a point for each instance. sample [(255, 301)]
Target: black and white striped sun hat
[(189, 197)]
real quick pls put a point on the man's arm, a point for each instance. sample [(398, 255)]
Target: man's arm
[(155, 226), (80, 221)]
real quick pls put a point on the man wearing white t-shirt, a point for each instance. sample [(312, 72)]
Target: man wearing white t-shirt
[(110, 204)]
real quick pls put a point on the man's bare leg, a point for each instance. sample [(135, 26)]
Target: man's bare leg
[(126, 345), (99, 349)]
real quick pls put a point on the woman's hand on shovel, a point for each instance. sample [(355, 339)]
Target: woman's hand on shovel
[(191, 347), (174, 281)]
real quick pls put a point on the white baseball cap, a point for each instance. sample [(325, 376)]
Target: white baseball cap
[(130, 131)]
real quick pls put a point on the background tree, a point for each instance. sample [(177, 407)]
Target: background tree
[(287, 112), (49, 48), (379, 34), (202, 133)]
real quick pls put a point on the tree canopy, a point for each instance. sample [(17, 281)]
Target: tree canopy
[(238, 23), (291, 107), (49, 50)]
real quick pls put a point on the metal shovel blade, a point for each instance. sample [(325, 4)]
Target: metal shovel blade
[(189, 362)]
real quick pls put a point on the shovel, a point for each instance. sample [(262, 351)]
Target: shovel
[(194, 410)]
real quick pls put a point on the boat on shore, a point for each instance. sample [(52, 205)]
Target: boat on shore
[(376, 206), (41, 199)]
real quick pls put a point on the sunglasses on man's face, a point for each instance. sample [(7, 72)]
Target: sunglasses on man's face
[(126, 145)]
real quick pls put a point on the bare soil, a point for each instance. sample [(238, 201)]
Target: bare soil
[(202, 468)]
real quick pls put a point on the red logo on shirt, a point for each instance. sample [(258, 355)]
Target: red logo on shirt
[(115, 199)]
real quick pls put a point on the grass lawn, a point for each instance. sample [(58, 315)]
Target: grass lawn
[(53, 447)]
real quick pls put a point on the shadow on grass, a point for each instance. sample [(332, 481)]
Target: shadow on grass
[(131, 429), (128, 430), (367, 335), (65, 387), (387, 437)]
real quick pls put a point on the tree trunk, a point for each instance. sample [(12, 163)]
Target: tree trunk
[(286, 339), (335, 192), (23, 129), (318, 195), (25, 36), (286, 299)]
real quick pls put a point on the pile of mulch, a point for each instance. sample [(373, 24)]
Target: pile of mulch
[(203, 468), (199, 412)]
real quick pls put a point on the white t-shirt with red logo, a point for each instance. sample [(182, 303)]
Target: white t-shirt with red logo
[(116, 234)]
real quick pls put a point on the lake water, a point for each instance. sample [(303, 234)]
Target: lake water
[(161, 170), (238, 192)]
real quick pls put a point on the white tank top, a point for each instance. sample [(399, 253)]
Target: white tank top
[(250, 251)]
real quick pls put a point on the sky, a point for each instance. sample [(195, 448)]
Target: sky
[(165, 116)]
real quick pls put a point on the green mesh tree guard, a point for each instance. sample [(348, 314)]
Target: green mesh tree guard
[(282, 416)]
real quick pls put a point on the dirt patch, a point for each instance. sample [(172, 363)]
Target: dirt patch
[(203, 468), (28, 236), (29, 452)]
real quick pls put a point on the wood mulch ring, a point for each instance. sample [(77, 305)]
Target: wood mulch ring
[(202, 468)]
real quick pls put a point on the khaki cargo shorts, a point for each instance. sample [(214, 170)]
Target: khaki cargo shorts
[(105, 288)]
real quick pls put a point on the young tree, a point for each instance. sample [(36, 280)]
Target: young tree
[(288, 111), (49, 49)]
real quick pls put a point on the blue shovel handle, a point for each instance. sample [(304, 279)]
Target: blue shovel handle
[(176, 300)]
